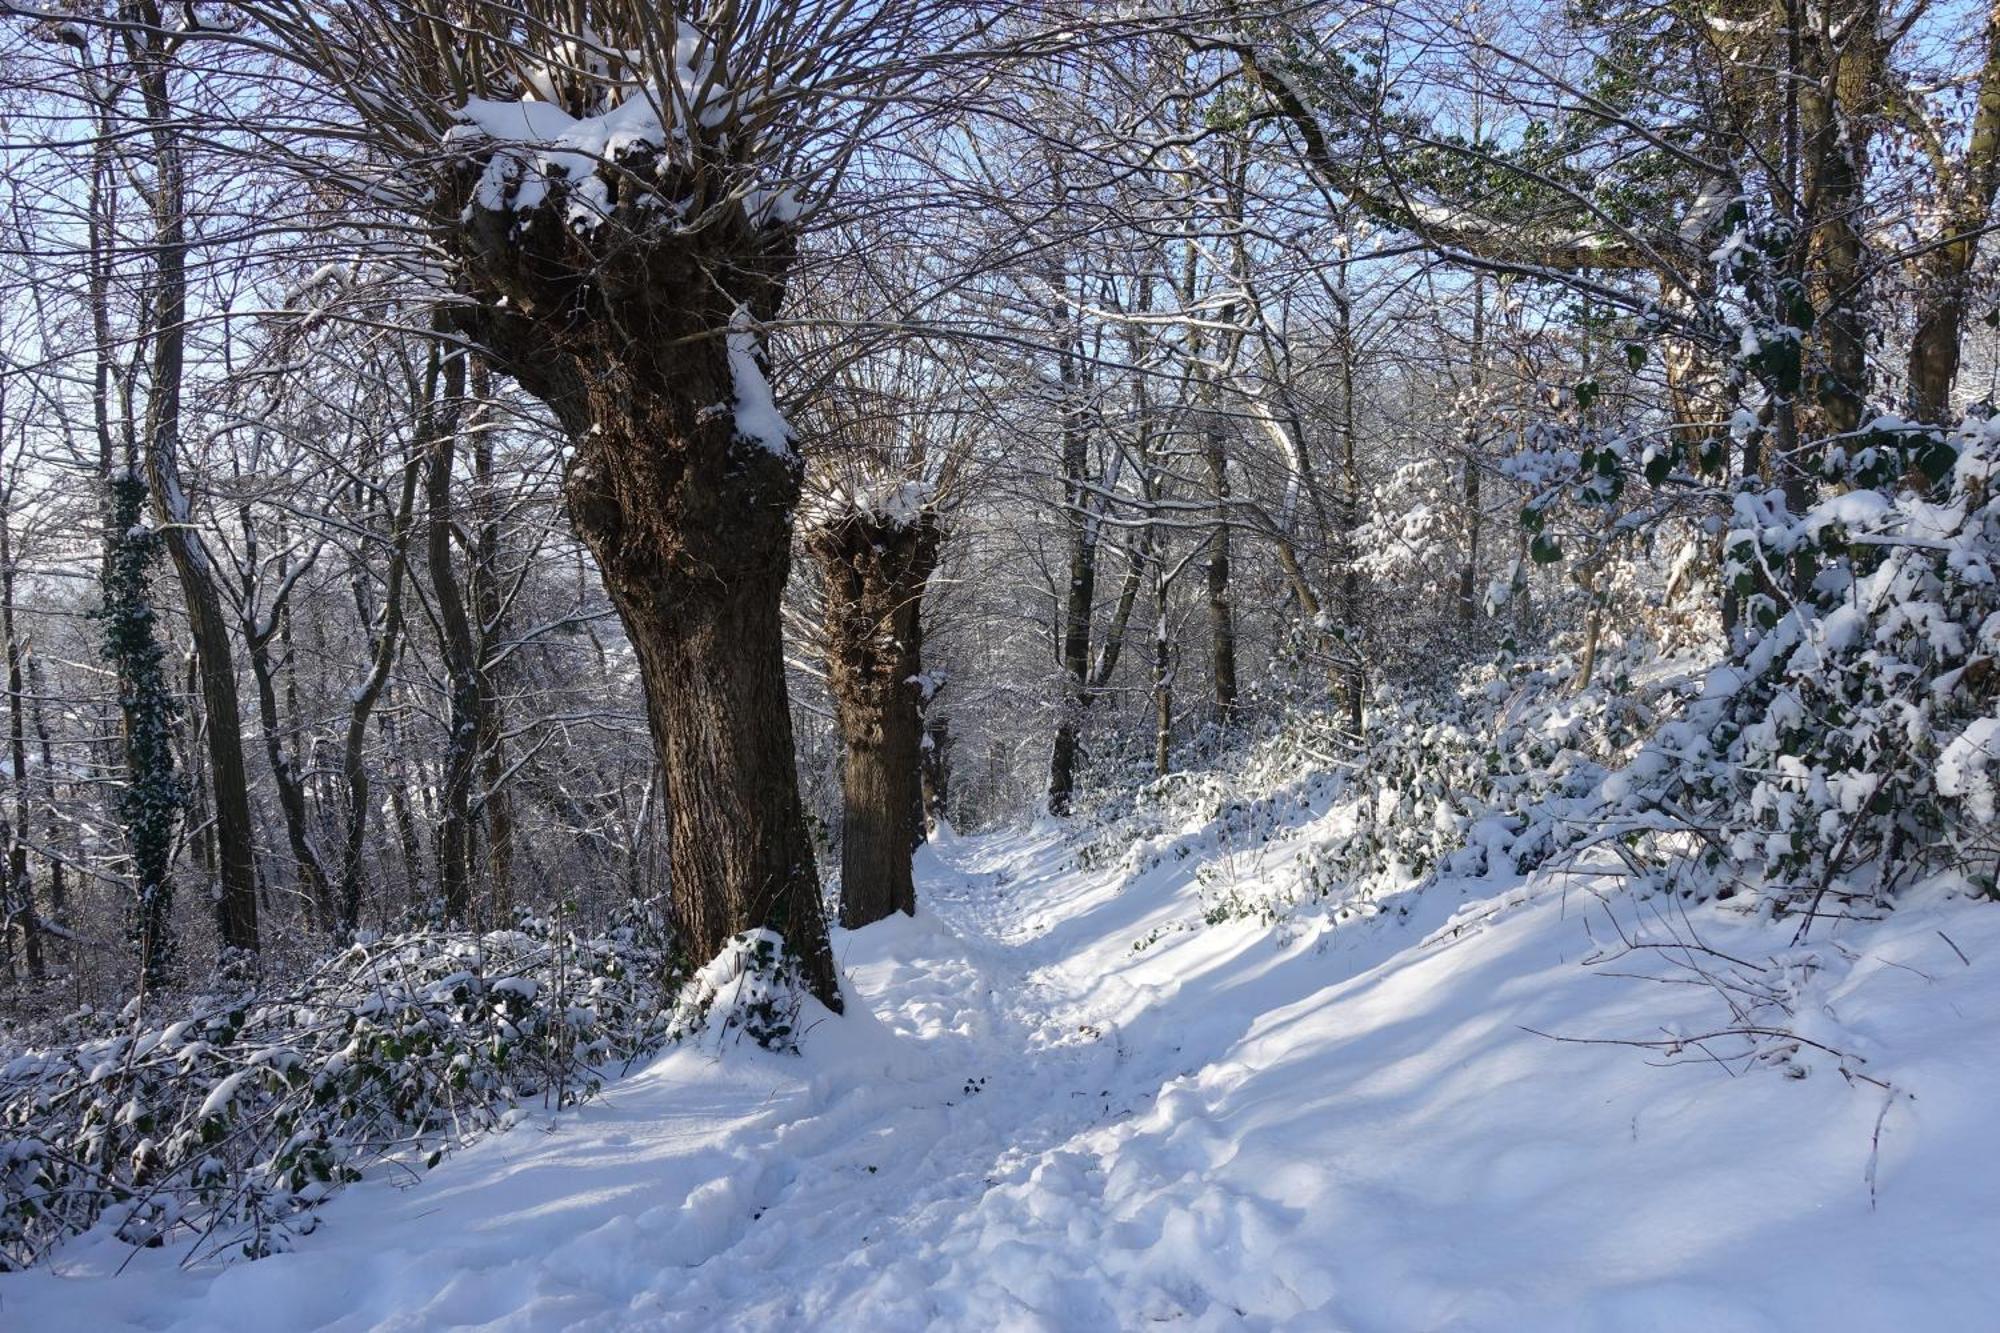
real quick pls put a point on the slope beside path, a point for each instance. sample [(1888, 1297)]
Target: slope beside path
[(1027, 1122)]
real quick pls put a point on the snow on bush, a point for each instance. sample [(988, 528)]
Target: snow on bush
[(753, 989), (1843, 749), (1847, 747), (1492, 774), (230, 1123)]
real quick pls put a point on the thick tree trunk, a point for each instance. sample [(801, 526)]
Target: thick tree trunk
[(875, 570), (711, 657), (691, 528), (638, 334)]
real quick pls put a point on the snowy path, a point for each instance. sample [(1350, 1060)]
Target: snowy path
[(1027, 1123)]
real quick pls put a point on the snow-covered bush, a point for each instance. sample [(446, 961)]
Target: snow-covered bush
[(1848, 745), (229, 1123), (1491, 778), (753, 989), (1492, 774)]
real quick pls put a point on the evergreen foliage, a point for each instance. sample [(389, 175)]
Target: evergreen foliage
[(153, 795)]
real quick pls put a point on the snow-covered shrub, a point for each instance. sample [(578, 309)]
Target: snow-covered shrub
[(1491, 778), (232, 1121), (1491, 775), (1848, 745), (1251, 787), (753, 989)]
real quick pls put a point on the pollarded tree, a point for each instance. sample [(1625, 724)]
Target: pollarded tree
[(876, 551), (614, 187), (891, 448)]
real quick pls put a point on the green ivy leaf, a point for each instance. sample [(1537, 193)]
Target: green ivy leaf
[(1936, 458)]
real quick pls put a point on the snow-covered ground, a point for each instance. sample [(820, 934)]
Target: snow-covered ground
[(1028, 1123)]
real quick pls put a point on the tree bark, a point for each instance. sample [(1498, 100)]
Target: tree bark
[(937, 770), (387, 642), (1354, 681), (58, 891), (460, 649), (284, 772), (1468, 574), (1841, 85), (1163, 678), (20, 904), (1221, 612), (496, 801), (1968, 189), (229, 781), (875, 568), (1080, 593), (638, 335)]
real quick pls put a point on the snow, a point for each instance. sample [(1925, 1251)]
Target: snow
[(537, 143), (1025, 1122), (222, 1094), (1961, 769), (882, 498), (758, 419), (561, 147)]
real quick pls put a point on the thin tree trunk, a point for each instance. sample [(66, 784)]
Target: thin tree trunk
[(1968, 190), (1214, 449), (1842, 85), (460, 651), (58, 890), (1137, 555), (20, 887), (397, 769), (284, 773), (1221, 611), (937, 769), (496, 801), (228, 778), (387, 641), (1163, 678), (1468, 574), (1081, 592), (1355, 684)]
